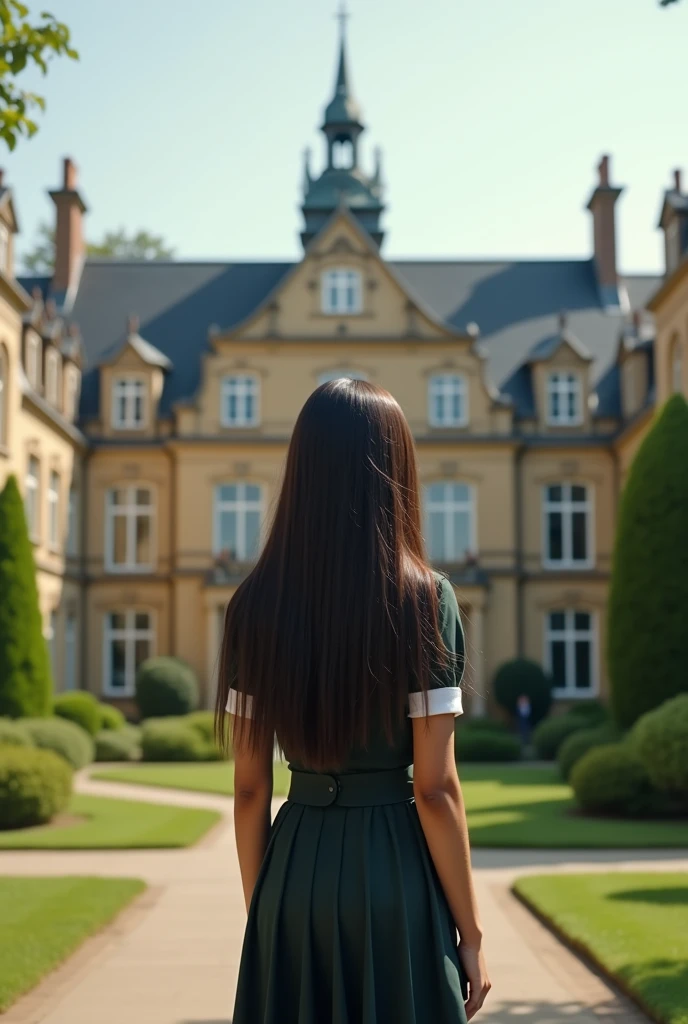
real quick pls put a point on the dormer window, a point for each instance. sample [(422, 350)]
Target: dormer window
[(564, 403), (71, 392), (239, 401), (128, 403), (52, 376), (447, 400), (32, 355), (342, 293)]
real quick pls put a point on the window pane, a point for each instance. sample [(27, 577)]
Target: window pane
[(579, 544), (227, 492), (554, 492), (252, 492), (434, 492), (118, 664), (557, 621), (117, 620), (456, 406), (558, 662), (555, 537), (435, 539), (554, 405), (439, 407), (462, 535), (583, 679), (248, 407), (143, 496), (572, 402), (582, 621), (142, 620), (119, 540), (227, 532), (143, 540), (578, 493), (252, 533), (461, 492), (118, 496)]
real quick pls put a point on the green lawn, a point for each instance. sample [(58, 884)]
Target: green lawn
[(43, 920), (508, 806), (115, 825), (634, 927)]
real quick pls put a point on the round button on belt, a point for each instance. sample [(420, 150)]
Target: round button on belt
[(331, 789)]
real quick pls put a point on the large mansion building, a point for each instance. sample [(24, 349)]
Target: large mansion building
[(146, 408)]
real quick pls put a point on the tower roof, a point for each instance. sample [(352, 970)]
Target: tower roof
[(342, 108)]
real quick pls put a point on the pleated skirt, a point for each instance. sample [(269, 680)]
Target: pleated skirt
[(349, 924)]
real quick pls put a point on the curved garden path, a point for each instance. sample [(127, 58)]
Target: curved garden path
[(172, 958)]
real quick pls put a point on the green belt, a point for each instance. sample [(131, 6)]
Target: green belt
[(361, 789)]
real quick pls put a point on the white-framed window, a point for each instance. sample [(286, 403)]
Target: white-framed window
[(128, 640), (447, 400), (567, 526), (54, 509), (238, 517), (341, 292), (240, 398), (450, 521), (52, 376), (571, 652), (4, 395), (33, 360), (32, 497), (72, 381), (129, 529), (564, 404), (73, 523), (4, 247), (677, 367), (328, 375), (129, 403), (70, 652)]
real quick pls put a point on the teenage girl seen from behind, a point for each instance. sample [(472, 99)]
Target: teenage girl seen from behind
[(346, 646)]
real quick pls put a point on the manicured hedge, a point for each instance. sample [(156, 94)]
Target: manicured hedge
[(612, 779), (492, 725), (522, 677), (579, 743), (111, 718), (166, 687), (593, 711), (25, 678), (550, 734), (118, 745), (648, 598), (12, 734), (65, 738), (473, 745), (35, 785), (175, 740), (81, 708), (660, 740)]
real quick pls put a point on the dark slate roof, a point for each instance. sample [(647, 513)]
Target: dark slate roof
[(42, 283), (516, 303)]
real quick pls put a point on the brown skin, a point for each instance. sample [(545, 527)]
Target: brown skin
[(442, 816)]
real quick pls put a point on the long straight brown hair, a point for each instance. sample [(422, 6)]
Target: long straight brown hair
[(339, 618)]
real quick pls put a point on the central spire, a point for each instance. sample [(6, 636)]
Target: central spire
[(342, 181)]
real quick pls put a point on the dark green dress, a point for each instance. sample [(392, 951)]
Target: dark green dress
[(348, 923)]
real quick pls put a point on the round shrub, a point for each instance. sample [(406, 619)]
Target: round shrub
[(660, 740), (35, 785), (12, 734), (482, 725), (473, 745), (65, 738), (551, 733), (174, 740), (579, 743), (81, 708), (612, 779), (204, 723), (111, 718), (118, 745), (519, 678), (164, 687)]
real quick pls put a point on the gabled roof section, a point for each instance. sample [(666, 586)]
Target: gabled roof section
[(547, 347), (144, 350)]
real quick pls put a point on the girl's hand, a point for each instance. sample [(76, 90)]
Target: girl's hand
[(473, 962)]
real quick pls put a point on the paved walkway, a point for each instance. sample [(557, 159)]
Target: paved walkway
[(173, 957)]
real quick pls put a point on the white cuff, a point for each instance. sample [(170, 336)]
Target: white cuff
[(233, 704), (445, 701)]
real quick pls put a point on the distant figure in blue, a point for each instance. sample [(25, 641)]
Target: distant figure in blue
[(523, 711)]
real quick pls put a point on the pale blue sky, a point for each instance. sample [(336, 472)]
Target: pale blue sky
[(190, 120)]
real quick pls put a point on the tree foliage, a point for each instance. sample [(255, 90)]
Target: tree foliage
[(115, 245), (25, 677), (648, 601), (24, 45)]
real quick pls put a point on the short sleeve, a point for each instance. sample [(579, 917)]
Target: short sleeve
[(234, 704), (444, 692)]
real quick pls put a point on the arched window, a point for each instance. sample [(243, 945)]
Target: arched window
[(676, 366), (4, 396)]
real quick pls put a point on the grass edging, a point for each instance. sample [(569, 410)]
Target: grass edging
[(581, 950)]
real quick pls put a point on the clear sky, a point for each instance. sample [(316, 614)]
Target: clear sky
[(190, 119)]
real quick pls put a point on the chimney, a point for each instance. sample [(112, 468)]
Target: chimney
[(677, 181), (602, 205), (69, 241)]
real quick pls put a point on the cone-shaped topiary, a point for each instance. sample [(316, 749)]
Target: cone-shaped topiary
[(25, 676), (648, 640)]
